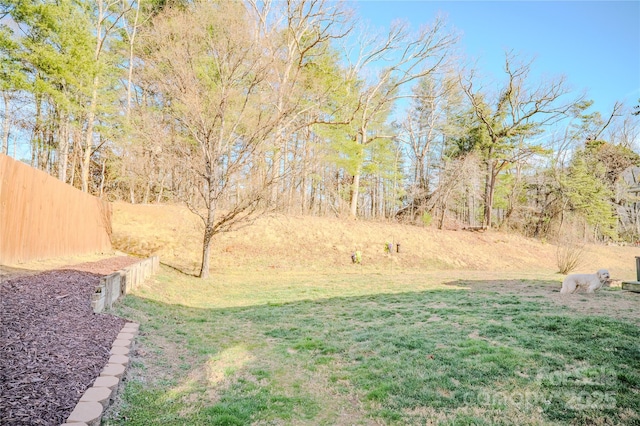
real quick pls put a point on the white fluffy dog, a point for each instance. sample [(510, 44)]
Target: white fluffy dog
[(589, 282)]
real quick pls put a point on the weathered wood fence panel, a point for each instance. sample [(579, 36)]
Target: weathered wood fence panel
[(42, 217)]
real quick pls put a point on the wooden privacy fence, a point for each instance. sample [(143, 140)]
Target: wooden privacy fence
[(42, 217)]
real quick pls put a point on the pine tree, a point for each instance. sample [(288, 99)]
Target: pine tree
[(589, 194)]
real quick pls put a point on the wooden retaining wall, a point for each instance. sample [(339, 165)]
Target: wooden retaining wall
[(42, 217), (117, 285)]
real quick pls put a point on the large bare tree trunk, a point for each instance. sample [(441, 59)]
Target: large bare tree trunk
[(35, 140), (74, 159), (63, 147), (206, 243), (489, 191), (102, 177), (7, 122), (132, 37), (355, 193), (161, 191), (206, 250), (355, 186), (88, 143)]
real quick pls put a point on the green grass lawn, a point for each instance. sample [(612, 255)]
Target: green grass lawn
[(365, 348)]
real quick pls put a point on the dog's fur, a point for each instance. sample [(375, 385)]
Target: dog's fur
[(589, 282)]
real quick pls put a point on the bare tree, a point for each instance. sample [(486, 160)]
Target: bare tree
[(626, 132), (424, 130), (452, 181), (204, 65), (130, 29), (230, 80), (514, 114), (400, 58), (298, 34)]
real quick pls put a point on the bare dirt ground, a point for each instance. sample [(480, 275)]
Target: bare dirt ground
[(611, 302), (52, 345)]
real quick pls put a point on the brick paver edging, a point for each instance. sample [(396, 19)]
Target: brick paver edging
[(97, 398)]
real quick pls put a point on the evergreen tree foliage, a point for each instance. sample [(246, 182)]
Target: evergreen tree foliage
[(589, 194)]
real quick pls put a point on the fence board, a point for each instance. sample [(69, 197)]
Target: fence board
[(42, 217)]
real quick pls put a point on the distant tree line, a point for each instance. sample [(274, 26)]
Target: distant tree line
[(240, 107)]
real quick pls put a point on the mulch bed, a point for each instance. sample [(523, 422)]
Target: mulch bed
[(52, 344)]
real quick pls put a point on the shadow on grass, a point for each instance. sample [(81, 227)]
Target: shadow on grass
[(551, 285), (178, 270), (449, 356)]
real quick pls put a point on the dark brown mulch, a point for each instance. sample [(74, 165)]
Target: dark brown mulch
[(52, 345)]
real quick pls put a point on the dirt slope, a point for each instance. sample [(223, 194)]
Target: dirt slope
[(294, 242)]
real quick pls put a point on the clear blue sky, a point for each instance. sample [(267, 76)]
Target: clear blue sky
[(595, 44)]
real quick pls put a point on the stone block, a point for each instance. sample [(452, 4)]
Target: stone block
[(95, 394), (122, 342), (130, 327), (119, 359), (86, 412), (631, 286), (119, 350), (115, 370), (124, 335), (110, 382)]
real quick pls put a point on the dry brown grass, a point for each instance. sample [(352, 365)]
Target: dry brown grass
[(321, 244), (569, 257)]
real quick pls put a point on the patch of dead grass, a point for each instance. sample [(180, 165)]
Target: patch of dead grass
[(609, 302), (319, 244)]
